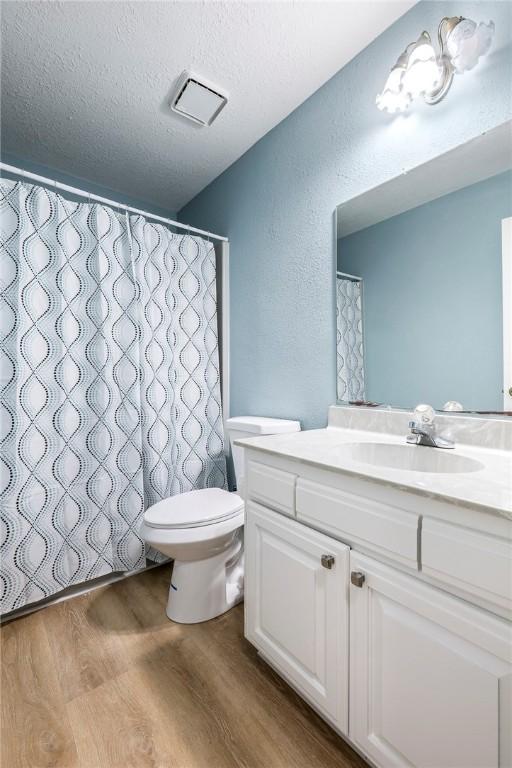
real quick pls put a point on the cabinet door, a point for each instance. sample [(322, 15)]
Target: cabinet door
[(430, 675), (296, 608)]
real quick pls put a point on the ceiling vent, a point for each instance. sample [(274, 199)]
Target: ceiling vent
[(198, 100)]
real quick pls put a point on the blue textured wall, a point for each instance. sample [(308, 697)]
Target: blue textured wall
[(84, 184), (276, 205), (433, 299)]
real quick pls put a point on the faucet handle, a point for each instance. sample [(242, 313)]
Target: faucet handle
[(424, 414)]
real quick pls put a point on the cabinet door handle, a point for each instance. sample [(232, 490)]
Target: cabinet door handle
[(357, 578), (327, 561)]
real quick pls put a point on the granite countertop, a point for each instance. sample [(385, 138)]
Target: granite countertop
[(488, 489)]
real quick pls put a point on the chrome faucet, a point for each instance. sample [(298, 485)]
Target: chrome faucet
[(423, 429)]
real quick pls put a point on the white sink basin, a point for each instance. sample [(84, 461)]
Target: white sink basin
[(412, 458)]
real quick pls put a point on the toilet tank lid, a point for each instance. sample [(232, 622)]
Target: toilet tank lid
[(262, 425)]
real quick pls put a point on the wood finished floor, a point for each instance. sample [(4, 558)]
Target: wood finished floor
[(105, 680)]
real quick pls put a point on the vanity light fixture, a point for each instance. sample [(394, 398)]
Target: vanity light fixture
[(420, 71)]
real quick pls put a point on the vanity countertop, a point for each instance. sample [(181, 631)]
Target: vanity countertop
[(488, 489)]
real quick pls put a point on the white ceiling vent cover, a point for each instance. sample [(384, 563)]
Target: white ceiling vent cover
[(198, 100)]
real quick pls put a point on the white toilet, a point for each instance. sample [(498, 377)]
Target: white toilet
[(203, 532)]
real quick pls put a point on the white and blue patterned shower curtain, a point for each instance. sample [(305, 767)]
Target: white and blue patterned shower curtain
[(349, 340), (110, 385)]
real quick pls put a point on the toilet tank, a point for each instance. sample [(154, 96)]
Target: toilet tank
[(253, 426)]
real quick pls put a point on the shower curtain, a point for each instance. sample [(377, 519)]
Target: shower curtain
[(110, 385), (349, 340)]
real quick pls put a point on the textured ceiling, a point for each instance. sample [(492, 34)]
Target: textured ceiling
[(86, 85)]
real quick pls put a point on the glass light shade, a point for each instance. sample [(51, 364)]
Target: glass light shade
[(467, 42), (423, 73), (393, 98)]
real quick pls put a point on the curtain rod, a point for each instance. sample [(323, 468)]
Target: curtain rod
[(113, 203), (354, 278)]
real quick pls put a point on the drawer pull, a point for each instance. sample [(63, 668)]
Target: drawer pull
[(357, 578), (327, 561)]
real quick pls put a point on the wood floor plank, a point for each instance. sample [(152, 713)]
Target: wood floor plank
[(288, 730), (225, 713), (36, 732), (84, 657), (107, 681), (112, 728), (127, 722), (98, 636), (178, 679)]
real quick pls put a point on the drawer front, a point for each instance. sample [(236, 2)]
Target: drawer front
[(272, 487), (359, 520), (469, 560)]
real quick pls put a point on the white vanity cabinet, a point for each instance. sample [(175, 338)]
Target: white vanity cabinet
[(430, 675), (296, 598), (414, 668)]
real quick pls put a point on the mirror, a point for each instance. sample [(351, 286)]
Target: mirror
[(424, 284)]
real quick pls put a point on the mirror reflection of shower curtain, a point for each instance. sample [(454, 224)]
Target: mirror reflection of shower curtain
[(349, 339)]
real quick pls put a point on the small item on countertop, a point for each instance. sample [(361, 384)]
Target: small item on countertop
[(453, 405), (367, 403)]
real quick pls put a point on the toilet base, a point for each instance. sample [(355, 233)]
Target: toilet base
[(203, 589)]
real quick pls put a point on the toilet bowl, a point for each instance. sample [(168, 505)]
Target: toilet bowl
[(202, 531)]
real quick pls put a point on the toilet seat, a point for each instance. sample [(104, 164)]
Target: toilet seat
[(194, 509)]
